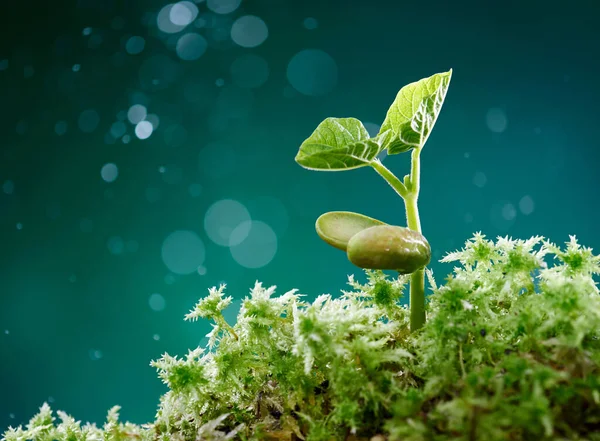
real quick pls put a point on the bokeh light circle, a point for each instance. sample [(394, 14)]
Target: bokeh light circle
[(135, 45), (183, 252), (258, 246), (88, 120), (526, 205), (136, 113), (143, 129), (109, 172), (496, 120), (191, 46), (157, 302), (312, 72), (183, 13), (223, 6), (249, 71), (222, 218), (249, 31)]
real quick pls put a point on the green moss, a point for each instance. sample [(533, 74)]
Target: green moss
[(510, 351)]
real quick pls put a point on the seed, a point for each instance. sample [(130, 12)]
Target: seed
[(389, 247), (337, 227)]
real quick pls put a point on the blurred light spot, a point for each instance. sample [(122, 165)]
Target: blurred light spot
[(272, 210), (223, 6), (191, 46), (51, 399), (537, 131), (222, 218), (162, 169), (310, 23), (154, 120), (156, 337), (249, 31), (6, 331), (3, 64), (76, 67), (60, 128), (86, 225), (8, 187), (249, 71), (195, 190), (216, 160), (136, 113), (526, 205), (509, 212), (312, 72), (28, 71), (253, 244), (95, 354), (183, 252), (72, 278), (501, 215), (88, 121), (468, 218), (467, 155), (164, 23), (202, 270), (143, 129), (115, 245), (183, 13), (135, 45), (109, 172), (157, 302), (86, 31), (170, 279), (19, 226), (480, 179), (118, 129), (372, 128), (496, 120), (220, 82), (126, 139)]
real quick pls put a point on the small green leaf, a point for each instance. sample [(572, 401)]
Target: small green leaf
[(413, 113), (337, 227), (340, 144)]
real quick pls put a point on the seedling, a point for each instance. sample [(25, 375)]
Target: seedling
[(340, 144), (510, 351)]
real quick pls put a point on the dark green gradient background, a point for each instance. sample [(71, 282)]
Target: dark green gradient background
[(539, 61)]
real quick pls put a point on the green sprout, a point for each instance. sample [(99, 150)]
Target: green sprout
[(340, 144)]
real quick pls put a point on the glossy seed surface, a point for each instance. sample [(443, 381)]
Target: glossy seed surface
[(389, 247)]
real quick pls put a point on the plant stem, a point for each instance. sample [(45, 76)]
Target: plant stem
[(391, 179), (411, 197)]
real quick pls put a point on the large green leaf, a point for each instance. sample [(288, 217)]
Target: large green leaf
[(340, 144), (413, 113)]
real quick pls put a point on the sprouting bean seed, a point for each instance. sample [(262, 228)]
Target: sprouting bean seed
[(389, 247), (337, 227)]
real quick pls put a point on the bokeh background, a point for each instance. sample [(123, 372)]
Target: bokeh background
[(147, 154)]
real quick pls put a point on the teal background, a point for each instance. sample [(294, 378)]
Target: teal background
[(68, 290)]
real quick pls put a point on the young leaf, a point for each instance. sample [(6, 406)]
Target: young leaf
[(340, 144), (413, 113)]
